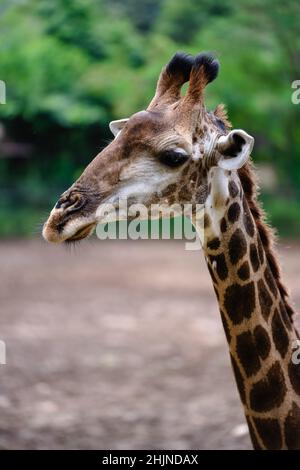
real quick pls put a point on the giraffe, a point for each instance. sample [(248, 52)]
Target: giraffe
[(178, 151)]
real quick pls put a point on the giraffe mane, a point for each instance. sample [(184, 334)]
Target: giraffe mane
[(267, 235), (221, 113)]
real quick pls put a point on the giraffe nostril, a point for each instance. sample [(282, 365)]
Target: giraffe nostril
[(71, 202), (59, 203)]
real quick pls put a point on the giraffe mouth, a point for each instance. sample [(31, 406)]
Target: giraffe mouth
[(82, 233)]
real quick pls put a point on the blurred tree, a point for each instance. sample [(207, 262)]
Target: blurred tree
[(182, 20), (143, 14), (63, 42)]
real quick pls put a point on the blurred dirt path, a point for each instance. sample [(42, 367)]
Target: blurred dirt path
[(116, 345)]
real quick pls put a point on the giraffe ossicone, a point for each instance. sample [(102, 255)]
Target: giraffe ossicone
[(176, 151)]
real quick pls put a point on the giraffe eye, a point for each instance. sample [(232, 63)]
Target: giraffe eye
[(173, 158)]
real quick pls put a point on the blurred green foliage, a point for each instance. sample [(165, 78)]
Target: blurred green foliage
[(71, 67)]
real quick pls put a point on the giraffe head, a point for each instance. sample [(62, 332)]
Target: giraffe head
[(159, 155)]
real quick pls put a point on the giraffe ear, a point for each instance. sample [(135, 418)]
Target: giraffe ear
[(117, 126), (235, 149)]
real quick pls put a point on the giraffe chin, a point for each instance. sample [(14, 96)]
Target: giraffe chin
[(82, 233)]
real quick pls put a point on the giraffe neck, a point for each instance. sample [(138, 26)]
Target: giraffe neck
[(260, 333)]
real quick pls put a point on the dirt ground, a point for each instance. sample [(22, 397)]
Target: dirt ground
[(116, 345)]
